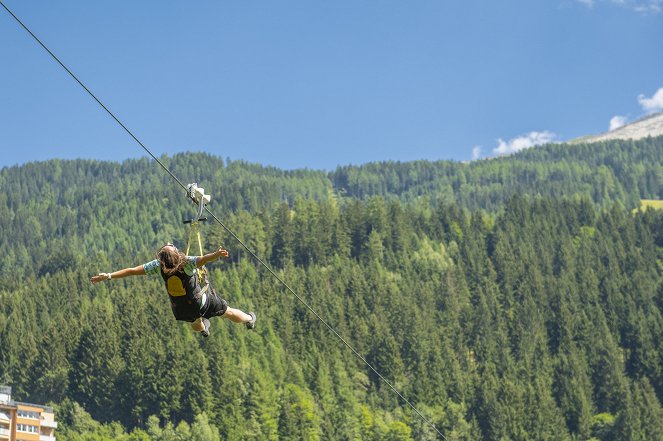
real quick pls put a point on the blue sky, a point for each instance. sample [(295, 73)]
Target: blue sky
[(316, 84)]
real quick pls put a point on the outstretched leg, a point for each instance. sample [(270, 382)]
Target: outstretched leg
[(236, 315), (219, 307)]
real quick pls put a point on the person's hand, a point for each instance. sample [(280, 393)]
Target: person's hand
[(100, 277), (222, 252)]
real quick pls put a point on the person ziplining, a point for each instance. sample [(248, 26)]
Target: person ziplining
[(192, 297)]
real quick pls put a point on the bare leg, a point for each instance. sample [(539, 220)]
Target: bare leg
[(236, 316), (198, 325)]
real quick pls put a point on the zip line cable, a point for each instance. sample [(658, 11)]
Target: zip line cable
[(299, 298), (91, 94)]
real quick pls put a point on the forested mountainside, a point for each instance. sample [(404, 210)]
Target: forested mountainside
[(501, 311), (608, 172)]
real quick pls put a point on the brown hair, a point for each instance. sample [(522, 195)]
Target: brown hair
[(171, 260)]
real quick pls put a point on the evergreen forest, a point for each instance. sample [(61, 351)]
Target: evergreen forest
[(515, 298)]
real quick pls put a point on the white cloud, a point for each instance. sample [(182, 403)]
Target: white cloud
[(653, 104), (476, 152), (531, 139), (617, 122), (641, 6), (650, 7)]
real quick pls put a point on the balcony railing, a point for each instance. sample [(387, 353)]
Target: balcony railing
[(46, 438), (51, 424)]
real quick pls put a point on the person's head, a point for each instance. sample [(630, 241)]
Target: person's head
[(171, 258)]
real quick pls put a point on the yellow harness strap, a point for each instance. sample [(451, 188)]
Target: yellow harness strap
[(195, 230)]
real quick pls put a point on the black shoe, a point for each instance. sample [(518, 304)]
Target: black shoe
[(205, 332), (251, 324)]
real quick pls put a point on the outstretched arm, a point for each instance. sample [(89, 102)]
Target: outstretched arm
[(202, 260), (135, 271)]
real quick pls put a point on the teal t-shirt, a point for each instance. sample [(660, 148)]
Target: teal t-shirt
[(154, 267)]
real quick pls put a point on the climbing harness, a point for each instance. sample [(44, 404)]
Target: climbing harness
[(197, 196)]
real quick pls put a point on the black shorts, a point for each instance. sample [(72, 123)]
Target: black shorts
[(190, 312), (216, 306)]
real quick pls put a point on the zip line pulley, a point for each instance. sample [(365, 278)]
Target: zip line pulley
[(197, 196)]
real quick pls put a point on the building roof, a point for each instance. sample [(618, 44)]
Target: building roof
[(7, 392), (41, 406)]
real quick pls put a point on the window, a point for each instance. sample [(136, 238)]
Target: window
[(28, 414), (27, 428)]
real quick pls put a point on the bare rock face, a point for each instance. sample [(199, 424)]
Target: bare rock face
[(651, 125)]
